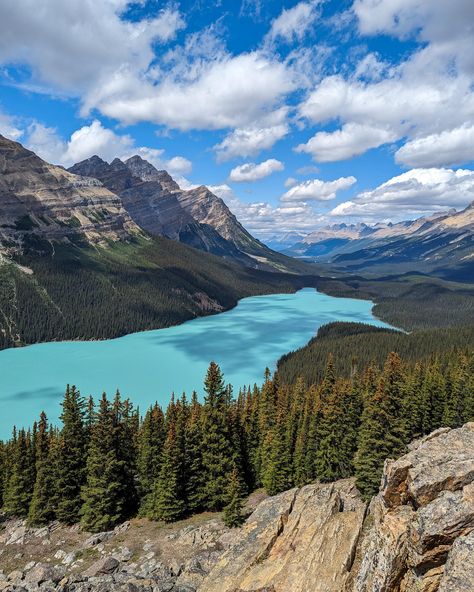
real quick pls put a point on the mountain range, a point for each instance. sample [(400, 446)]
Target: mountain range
[(102, 201), (441, 244), (195, 217)]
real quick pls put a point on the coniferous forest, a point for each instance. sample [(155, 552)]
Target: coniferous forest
[(107, 463)]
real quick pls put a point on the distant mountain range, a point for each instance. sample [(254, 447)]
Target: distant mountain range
[(441, 244)]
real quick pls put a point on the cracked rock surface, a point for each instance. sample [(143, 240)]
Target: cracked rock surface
[(301, 540)]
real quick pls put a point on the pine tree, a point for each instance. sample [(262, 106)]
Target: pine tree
[(19, 486), (194, 484), (337, 433), (276, 454), (217, 452), (399, 412), (372, 449), (150, 445), (104, 494), (41, 510), (166, 500), (233, 511), (72, 458)]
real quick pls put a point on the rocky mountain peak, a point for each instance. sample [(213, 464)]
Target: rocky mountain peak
[(145, 171), (38, 199)]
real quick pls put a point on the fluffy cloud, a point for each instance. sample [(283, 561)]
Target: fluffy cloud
[(115, 65), (8, 127), (293, 23), (74, 44), (414, 193), (448, 147), (96, 139), (251, 171), (225, 92), (434, 20), (317, 190), (251, 141), (427, 96), (353, 139), (264, 220)]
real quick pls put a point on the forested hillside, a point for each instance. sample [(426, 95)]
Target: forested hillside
[(106, 464), (355, 345), (80, 292)]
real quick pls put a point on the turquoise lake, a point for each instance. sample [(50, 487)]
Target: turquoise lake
[(149, 366)]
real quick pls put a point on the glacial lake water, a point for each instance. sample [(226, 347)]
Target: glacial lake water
[(149, 366)]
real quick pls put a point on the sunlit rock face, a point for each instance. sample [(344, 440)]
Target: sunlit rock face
[(418, 534), (46, 201), (422, 521)]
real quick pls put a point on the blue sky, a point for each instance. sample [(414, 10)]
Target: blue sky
[(298, 114)]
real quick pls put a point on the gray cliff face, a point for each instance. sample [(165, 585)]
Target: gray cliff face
[(147, 172), (151, 198), (195, 217), (417, 535), (43, 199), (152, 208)]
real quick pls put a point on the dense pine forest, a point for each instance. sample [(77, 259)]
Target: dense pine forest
[(107, 463), (355, 345)]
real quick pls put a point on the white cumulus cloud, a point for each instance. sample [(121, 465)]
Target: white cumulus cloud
[(293, 23), (97, 139), (250, 141), (448, 147), (351, 140), (414, 193), (317, 190), (251, 171)]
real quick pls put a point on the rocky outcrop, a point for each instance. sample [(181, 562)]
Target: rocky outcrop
[(302, 540), (417, 535), (423, 519), (42, 200)]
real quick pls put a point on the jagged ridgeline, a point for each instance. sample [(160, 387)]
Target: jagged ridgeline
[(107, 463)]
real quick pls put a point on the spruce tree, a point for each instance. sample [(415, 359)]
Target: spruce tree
[(337, 431), (19, 486), (194, 485), (104, 494), (217, 452), (166, 501), (372, 448), (151, 438), (72, 458), (233, 511), (41, 509)]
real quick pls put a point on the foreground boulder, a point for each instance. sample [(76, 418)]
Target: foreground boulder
[(418, 535), (422, 521), (300, 540)]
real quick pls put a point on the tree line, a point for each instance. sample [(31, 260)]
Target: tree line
[(355, 345), (107, 464)]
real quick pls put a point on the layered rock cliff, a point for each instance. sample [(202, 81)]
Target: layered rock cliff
[(417, 535), (151, 198), (38, 198)]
